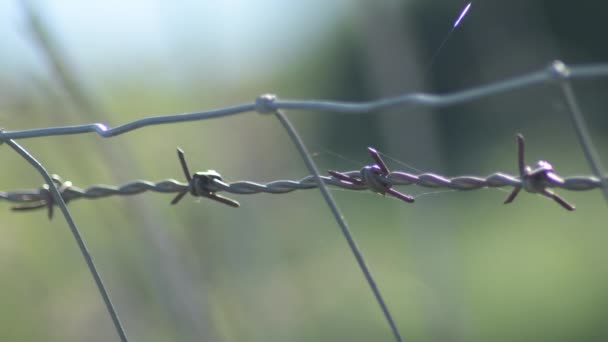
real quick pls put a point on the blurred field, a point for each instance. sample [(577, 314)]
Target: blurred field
[(456, 266)]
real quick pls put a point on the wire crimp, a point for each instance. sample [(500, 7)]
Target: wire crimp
[(375, 177), (200, 184), (537, 180), (45, 197), (264, 104)]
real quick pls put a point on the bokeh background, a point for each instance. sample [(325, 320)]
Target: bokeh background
[(455, 266)]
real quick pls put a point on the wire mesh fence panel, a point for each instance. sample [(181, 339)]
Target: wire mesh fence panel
[(223, 243), (375, 177)]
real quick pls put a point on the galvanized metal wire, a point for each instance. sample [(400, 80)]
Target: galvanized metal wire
[(270, 104)]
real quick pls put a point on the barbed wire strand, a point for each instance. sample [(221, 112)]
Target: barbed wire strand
[(81, 245), (580, 126), (310, 164), (376, 177), (395, 178)]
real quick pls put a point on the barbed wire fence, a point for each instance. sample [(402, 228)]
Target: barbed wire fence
[(375, 177)]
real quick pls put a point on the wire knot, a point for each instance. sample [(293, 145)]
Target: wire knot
[(264, 104), (45, 197), (559, 70), (538, 179), (375, 177), (202, 184)]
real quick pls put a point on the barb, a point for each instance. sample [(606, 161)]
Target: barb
[(199, 184), (46, 197), (535, 180), (374, 176)]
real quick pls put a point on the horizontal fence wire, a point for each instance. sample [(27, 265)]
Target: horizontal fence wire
[(396, 178), (375, 177), (269, 104)]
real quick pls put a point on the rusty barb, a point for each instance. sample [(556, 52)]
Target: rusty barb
[(42, 197), (375, 177), (536, 180)]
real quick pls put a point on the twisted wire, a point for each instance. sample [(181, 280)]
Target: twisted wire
[(397, 178)]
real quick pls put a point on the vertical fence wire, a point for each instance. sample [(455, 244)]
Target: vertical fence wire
[(57, 198), (331, 203), (579, 125)]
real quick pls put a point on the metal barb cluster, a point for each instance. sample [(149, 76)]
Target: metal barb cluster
[(536, 180), (375, 177), (199, 184), (43, 197)]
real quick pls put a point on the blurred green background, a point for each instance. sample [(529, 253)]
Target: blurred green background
[(455, 266)]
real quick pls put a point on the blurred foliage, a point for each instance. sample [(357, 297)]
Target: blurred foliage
[(453, 266)]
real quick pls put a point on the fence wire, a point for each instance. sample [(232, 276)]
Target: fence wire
[(376, 177), (42, 198)]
